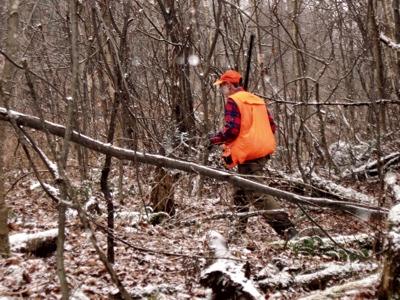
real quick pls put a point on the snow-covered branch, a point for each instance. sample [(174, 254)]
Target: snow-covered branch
[(386, 40)]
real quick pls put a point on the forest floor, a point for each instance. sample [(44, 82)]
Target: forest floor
[(156, 273)]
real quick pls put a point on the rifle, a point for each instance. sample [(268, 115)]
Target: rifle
[(249, 51)]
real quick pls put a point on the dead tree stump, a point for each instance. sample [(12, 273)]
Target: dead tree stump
[(162, 192)]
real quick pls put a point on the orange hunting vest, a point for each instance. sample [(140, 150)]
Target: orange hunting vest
[(255, 138)]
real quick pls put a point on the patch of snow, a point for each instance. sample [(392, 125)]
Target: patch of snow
[(394, 233), (344, 154), (390, 180), (71, 213), (78, 295), (151, 290), (273, 277), (92, 201), (132, 218), (394, 215), (217, 243), (16, 273)]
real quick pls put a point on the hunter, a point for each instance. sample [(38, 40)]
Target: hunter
[(248, 141)]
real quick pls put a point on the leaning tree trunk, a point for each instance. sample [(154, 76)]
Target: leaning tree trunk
[(6, 88)]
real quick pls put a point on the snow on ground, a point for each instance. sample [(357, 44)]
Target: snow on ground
[(391, 179), (175, 277)]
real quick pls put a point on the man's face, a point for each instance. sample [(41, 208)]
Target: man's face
[(225, 89)]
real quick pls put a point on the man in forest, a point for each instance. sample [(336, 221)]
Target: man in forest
[(248, 140)]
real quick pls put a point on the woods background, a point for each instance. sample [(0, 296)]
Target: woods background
[(138, 75)]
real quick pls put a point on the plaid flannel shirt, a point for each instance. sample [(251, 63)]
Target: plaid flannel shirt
[(232, 124)]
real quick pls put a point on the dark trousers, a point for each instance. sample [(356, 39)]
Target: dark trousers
[(243, 198)]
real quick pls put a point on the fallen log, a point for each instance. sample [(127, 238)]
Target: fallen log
[(133, 218), (41, 244), (225, 276), (361, 210), (318, 279), (321, 187), (359, 289), (363, 239), (192, 220), (371, 168)]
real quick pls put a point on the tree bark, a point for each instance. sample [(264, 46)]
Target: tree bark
[(181, 94), (6, 90), (390, 280), (104, 183)]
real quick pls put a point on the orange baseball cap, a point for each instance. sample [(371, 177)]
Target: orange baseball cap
[(230, 76)]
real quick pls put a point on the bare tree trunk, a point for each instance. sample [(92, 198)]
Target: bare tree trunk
[(7, 87), (377, 55), (396, 17), (181, 95), (4, 242), (390, 281), (104, 183), (379, 76), (118, 56), (62, 161)]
